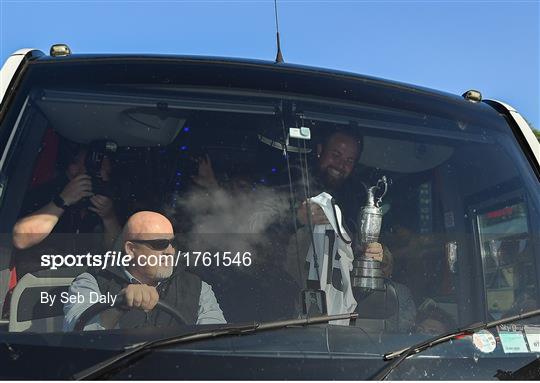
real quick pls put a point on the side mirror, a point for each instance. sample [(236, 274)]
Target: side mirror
[(377, 304)]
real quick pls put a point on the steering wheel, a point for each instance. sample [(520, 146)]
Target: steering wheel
[(98, 308)]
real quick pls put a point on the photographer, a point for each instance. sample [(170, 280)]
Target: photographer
[(73, 202)]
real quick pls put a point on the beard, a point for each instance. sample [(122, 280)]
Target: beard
[(163, 273), (332, 178)]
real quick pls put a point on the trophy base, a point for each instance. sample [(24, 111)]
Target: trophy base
[(368, 284), (367, 275)]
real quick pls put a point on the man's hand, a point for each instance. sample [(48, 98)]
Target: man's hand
[(103, 206), (142, 297), (374, 251), (205, 177), (77, 189), (317, 215)]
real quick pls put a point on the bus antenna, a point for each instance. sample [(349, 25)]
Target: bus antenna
[(279, 56)]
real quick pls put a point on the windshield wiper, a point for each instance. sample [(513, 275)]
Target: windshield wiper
[(137, 351), (399, 356)]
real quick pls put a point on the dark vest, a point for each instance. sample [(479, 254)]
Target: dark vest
[(181, 291)]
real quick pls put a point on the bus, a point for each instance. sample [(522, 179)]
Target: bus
[(304, 223)]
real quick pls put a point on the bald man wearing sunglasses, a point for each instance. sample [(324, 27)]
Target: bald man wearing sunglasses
[(147, 237)]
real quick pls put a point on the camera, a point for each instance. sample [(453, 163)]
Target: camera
[(97, 151)]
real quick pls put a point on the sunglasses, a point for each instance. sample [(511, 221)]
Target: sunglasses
[(157, 244)]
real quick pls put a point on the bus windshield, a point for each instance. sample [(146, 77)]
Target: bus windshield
[(251, 205)]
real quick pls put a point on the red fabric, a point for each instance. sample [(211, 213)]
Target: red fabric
[(12, 278)]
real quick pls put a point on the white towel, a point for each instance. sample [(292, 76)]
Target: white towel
[(338, 302)]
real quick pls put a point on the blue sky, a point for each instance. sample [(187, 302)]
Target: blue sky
[(492, 46)]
